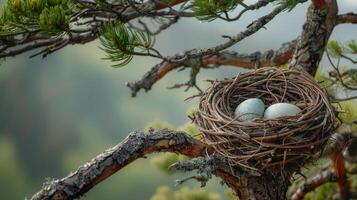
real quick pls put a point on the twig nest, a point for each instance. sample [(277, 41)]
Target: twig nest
[(266, 143)]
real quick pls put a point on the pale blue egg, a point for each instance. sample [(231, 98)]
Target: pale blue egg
[(250, 109), (281, 109)]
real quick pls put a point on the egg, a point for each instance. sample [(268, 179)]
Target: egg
[(281, 109), (250, 109)]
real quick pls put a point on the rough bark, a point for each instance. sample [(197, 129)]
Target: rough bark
[(136, 145), (272, 186), (316, 31)]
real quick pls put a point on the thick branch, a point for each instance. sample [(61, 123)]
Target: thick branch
[(136, 145), (347, 18), (317, 29), (254, 60)]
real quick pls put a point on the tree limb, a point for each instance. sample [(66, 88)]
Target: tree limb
[(254, 60), (136, 145), (314, 182), (350, 18), (88, 17)]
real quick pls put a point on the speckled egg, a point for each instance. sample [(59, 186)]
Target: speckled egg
[(250, 109), (281, 109)]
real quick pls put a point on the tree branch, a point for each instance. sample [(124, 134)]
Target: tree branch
[(347, 18), (86, 23), (136, 145), (312, 183), (337, 173), (254, 60)]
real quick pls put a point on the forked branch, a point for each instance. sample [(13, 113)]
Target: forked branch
[(258, 59)]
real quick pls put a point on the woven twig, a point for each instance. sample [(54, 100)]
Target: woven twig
[(262, 144)]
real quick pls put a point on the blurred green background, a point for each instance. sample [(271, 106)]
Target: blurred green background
[(57, 113)]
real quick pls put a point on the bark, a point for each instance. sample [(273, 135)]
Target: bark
[(272, 186), (315, 34), (136, 145)]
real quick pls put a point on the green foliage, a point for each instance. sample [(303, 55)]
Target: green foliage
[(121, 43), (53, 19), (208, 10), (352, 46), (348, 114), (50, 16), (165, 193), (334, 48), (351, 78), (326, 191)]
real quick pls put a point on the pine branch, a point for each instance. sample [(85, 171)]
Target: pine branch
[(277, 57), (80, 25)]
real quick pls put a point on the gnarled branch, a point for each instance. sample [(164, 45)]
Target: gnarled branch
[(136, 145)]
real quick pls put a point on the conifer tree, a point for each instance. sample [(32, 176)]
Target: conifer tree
[(46, 26)]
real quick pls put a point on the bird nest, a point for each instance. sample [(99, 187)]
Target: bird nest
[(262, 144)]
